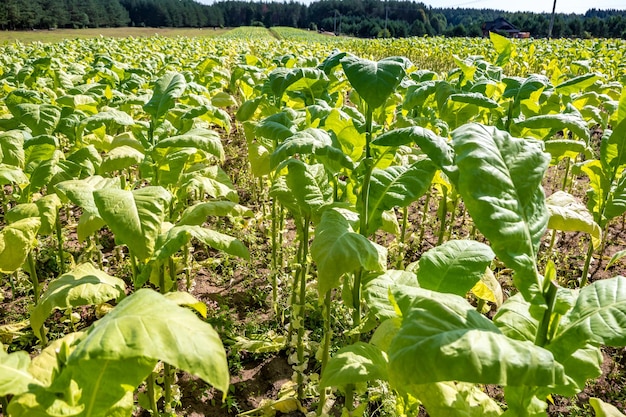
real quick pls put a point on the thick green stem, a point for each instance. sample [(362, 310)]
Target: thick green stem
[(152, 395), (59, 231), (455, 205), (302, 302), (135, 269), (423, 218), (325, 350), (402, 243), (33, 275), (294, 291), (584, 278), (552, 242), (443, 213), (187, 268), (5, 404), (566, 175), (167, 387), (274, 256), (542, 338)]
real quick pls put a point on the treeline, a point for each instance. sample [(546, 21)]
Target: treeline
[(363, 18)]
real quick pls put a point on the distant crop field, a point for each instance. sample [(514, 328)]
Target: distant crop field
[(61, 34)]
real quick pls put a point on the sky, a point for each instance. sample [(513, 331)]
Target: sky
[(537, 6)]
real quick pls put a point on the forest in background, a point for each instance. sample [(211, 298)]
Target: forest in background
[(362, 18)]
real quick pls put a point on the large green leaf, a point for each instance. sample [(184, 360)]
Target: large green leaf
[(312, 142), (198, 213), (16, 241), (14, 375), (199, 138), (337, 250), (598, 316), (135, 217), (503, 46), (577, 84), (178, 236), (166, 90), (148, 325), (616, 202), (396, 186), (310, 188), (515, 321), (567, 148), (46, 208), (455, 342), (83, 285), (603, 409), (436, 147), (454, 267), (120, 158), (360, 362), (499, 178), (373, 81), (376, 291), (554, 122), (613, 147), (12, 148), (454, 399), (351, 140), (41, 119), (568, 214)]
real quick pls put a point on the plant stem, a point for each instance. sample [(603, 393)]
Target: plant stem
[(167, 382), (152, 395), (133, 262), (423, 218), (442, 213), (187, 269), (59, 231), (294, 292), (302, 302), (325, 350), (584, 278), (541, 339), (33, 276), (402, 244), (566, 175), (274, 257), (5, 404)]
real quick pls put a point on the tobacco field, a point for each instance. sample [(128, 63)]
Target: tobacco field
[(280, 222)]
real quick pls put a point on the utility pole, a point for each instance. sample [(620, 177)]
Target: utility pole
[(551, 21)]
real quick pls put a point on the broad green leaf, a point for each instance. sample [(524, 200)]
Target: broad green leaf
[(476, 99), (41, 119), (360, 362), (178, 236), (515, 321), (259, 158), (310, 142), (566, 148), (16, 242), (503, 46), (603, 409), (373, 81), (204, 139), (120, 158), (212, 181), (351, 140), (84, 285), (499, 178), (46, 208), (454, 267), (613, 147), (577, 84), (88, 388), (10, 174), (376, 291), (12, 148), (600, 184), (135, 217), (198, 213), (47, 365), (455, 342), (166, 90), (185, 299), (247, 109), (310, 188), (436, 147), (568, 214), (526, 401), (277, 127), (396, 186), (337, 250), (14, 375), (575, 123), (597, 317), (148, 325), (107, 117), (455, 399)]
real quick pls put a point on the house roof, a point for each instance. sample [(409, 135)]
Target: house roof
[(500, 25)]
